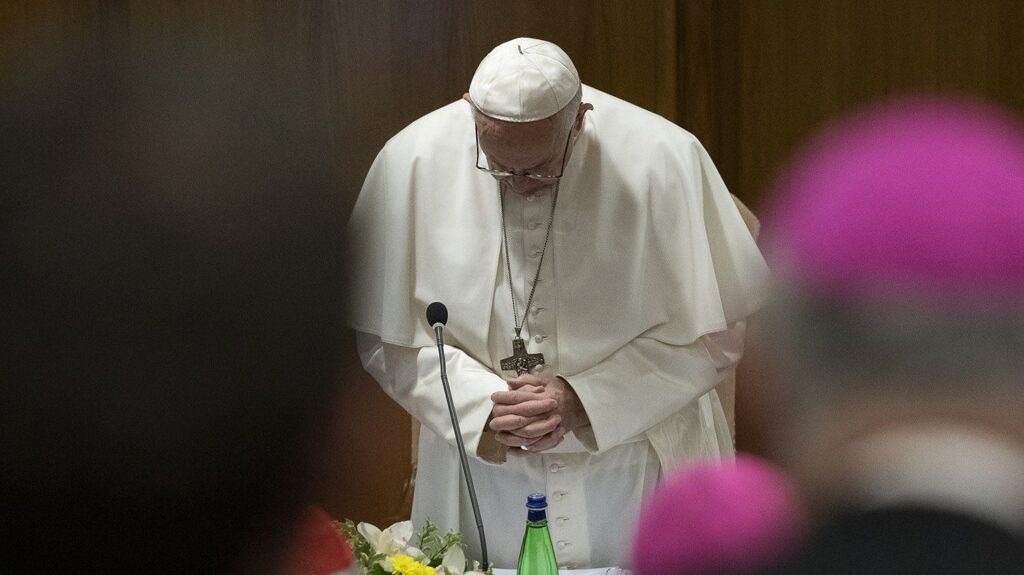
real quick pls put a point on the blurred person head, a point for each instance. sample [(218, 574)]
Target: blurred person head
[(718, 518), (898, 240), (319, 547), (171, 321)]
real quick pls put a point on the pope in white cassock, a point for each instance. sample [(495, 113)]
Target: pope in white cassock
[(583, 228)]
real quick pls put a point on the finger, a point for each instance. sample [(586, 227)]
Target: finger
[(539, 428), (513, 422), (549, 441), (527, 408), (517, 397), (536, 379), (545, 443), (512, 440), (512, 397), (525, 379), (527, 388)]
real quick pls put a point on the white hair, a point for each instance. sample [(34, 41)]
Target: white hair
[(834, 350), (567, 115)]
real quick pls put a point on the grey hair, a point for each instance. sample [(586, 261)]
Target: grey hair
[(562, 120), (834, 350), (565, 117)]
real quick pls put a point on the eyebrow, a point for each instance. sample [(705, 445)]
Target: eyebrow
[(505, 166), (530, 169)]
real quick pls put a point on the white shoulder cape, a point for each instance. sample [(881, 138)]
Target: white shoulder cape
[(646, 239)]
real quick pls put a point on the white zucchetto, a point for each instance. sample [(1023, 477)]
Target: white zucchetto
[(524, 80)]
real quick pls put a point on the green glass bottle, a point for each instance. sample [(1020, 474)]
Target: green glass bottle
[(537, 556)]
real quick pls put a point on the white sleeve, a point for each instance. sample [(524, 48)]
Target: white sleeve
[(412, 377), (646, 381)]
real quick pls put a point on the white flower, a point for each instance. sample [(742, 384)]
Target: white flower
[(454, 561), (387, 545), (416, 554), (392, 541)]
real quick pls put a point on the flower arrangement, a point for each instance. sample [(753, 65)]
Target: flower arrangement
[(397, 550)]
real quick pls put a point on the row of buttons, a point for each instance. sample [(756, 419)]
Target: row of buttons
[(536, 253), (557, 467), (560, 521)]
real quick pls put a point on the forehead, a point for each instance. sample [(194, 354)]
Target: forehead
[(516, 144)]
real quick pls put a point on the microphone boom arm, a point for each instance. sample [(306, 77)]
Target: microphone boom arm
[(438, 329)]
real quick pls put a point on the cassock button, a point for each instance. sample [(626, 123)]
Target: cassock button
[(555, 468), (539, 338), (532, 225), (529, 197), (561, 521), (563, 544), (558, 495)]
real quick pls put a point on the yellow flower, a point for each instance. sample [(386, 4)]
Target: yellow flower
[(405, 565)]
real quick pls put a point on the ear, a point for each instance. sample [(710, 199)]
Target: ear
[(584, 108)]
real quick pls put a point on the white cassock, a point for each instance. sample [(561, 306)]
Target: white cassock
[(640, 305)]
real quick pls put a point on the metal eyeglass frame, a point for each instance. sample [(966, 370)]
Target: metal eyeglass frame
[(505, 175)]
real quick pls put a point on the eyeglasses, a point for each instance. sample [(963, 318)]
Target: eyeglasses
[(504, 175)]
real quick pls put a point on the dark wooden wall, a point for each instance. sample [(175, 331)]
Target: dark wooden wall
[(751, 78), (775, 72), (758, 77)]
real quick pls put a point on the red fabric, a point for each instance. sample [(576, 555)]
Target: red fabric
[(320, 548)]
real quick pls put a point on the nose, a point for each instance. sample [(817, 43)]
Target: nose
[(524, 185)]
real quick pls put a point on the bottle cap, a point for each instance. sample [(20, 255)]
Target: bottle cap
[(536, 501)]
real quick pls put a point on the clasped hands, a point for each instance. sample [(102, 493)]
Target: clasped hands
[(536, 413)]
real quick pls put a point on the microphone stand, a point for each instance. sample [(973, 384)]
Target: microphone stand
[(438, 331)]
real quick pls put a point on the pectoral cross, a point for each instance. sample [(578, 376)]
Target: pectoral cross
[(520, 361)]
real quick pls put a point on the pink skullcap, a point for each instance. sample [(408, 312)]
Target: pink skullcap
[(718, 518), (919, 197)]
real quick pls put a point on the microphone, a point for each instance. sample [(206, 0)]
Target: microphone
[(437, 317), (437, 314)]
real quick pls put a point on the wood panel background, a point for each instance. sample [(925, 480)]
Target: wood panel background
[(799, 64), (751, 78)]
